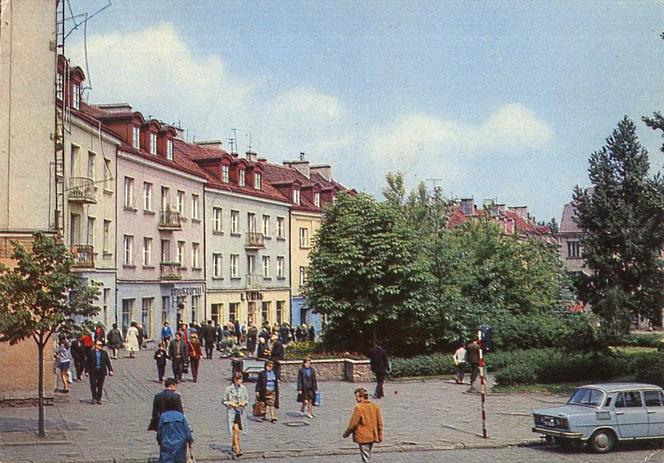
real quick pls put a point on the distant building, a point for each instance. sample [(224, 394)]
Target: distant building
[(569, 237)]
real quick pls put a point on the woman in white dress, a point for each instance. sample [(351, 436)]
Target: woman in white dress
[(132, 340)]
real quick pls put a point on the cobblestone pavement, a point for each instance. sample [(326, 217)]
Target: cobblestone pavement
[(419, 415)]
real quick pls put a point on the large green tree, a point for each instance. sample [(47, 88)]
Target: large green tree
[(623, 219), (39, 295)]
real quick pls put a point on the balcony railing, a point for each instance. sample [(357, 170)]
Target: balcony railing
[(170, 271), (82, 190), (84, 255), (255, 240), (253, 282), (170, 220)]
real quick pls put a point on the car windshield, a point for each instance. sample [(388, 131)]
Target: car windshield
[(586, 396)]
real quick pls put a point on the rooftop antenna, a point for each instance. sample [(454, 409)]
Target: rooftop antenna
[(233, 142), (249, 138), (302, 155)]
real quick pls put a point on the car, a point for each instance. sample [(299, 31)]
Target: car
[(599, 415)]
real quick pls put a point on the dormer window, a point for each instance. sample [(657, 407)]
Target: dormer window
[(242, 177), (257, 180), (296, 197), (169, 150), (153, 143), (59, 87), (136, 138), (225, 173), (317, 199), (76, 96)]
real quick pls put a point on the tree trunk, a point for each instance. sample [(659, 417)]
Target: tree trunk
[(40, 347)]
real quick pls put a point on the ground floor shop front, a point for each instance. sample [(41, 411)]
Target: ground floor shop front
[(249, 306)]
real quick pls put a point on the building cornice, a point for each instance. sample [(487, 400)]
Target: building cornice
[(249, 197), (160, 167), (315, 215)]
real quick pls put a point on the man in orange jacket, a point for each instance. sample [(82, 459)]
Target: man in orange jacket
[(366, 424)]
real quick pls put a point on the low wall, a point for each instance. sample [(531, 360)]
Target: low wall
[(329, 370)]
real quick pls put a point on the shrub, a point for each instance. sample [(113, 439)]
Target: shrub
[(641, 340), (316, 350), (423, 365), (649, 367)]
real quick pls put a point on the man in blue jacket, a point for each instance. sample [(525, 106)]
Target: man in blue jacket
[(173, 435)]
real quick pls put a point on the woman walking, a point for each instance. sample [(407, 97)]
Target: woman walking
[(306, 387), (195, 355), (114, 338), (236, 399), (63, 357), (132, 340), (267, 391)]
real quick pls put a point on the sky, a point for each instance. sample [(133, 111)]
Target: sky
[(502, 100)]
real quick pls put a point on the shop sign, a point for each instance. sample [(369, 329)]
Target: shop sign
[(186, 291)]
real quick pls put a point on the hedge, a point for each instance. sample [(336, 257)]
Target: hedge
[(641, 340)]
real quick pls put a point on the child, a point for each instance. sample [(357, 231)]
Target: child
[(160, 356)]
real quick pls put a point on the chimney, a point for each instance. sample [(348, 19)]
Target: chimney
[(212, 144), (467, 206), (251, 156), (115, 107), (521, 211), (500, 208), (262, 159), (324, 171), (301, 166)]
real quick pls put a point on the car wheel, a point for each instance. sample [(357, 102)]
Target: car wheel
[(602, 441)]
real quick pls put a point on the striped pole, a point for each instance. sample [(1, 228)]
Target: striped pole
[(485, 433)]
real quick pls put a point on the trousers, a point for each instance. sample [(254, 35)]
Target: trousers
[(380, 380), (96, 385), (365, 452)]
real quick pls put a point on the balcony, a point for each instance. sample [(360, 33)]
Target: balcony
[(84, 256), (82, 190), (170, 221), (255, 241), (170, 271), (253, 282)]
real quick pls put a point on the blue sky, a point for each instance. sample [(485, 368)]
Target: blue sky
[(497, 99)]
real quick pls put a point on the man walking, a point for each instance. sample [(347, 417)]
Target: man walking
[(99, 365), (178, 353), (366, 424), (473, 358), (210, 338), (380, 365), (166, 400)]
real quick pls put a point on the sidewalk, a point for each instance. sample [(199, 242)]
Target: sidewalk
[(418, 415)]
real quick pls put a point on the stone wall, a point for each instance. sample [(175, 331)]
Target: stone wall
[(329, 370)]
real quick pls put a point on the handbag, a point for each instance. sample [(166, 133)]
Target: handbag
[(190, 456), (259, 408), (185, 367), (318, 399)]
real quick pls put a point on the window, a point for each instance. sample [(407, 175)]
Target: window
[(317, 199), (106, 304), (147, 196), (653, 398), (280, 227), (59, 86), (127, 313), (217, 220), (265, 312), (235, 222), (146, 315), (73, 165), (108, 175), (216, 265), (195, 307), (280, 266), (232, 311), (266, 225), (235, 261), (630, 399), (251, 265), (216, 313), (76, 95), (107, 236), (165, 306), (181, 202), (257, 180), (266, 266), (296, 197), (129, 192), (128, 250), (147, 252), (242, 177), (169, 150), (573, 249), (181, 253), (304, 237), (225, 172), (303, 275), (279, 315), (194, 207), (136, 138), (165, 198), (165, 251), (195, 255), (91, 165), (251, 222), (153, 143), (91, 232)]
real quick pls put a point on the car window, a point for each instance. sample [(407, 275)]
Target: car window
[(653, 398), (586, 396), (607, 403), (628, 399)]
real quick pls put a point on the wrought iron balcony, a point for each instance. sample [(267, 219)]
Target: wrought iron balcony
[(170, 271), (82, 190), (84, 255), (255, 241), (170, 220), (253, 282)]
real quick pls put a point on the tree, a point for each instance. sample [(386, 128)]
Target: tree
[(364, 274), (39, 295), (623, 219)]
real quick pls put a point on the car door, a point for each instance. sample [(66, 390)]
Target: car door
[(654, 401), (631, 415)]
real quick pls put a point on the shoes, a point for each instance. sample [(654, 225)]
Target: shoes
[(99, 402), (274, 420), (93, 401), (310, 416), (65, 391)]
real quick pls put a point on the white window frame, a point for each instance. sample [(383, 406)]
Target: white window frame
[(235, 265), (296, 197), (169, 150), (165, 251), (107, 236), (76, 95), (180, 202), (266, 225), (317, 199), (241, 177), (128, 245), (266, 267), (304, 237), (147, 196), (195, 255), (217, 262), (235, 222), (129, 192), (194, 206), (136, 137), (258, 177), (153, 143), (90, 237), (217, 219), (280, 227), (147, 251), (92, 156), (303, 275), (181, 253), (280, 266)]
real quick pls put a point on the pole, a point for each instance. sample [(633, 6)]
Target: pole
[(485, 433)]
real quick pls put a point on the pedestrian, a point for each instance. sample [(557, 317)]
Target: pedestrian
[(252, 337), (236, 329), (160, 355), (167, 400), (174, 436), (210, 338), (298, 334), (277, 354), (459, 358), (79, 355), (141, 336), (132, 339), (166, 334), (195, 354), (380, 365), (99, 365), (63, 359), (312, 333), (263, 350), (236, 398), (114, 338), (366, 424), (99, 334), (184, 332), (178, 353), (473, 358), (267, 391), (284, 333), (306, 387)]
